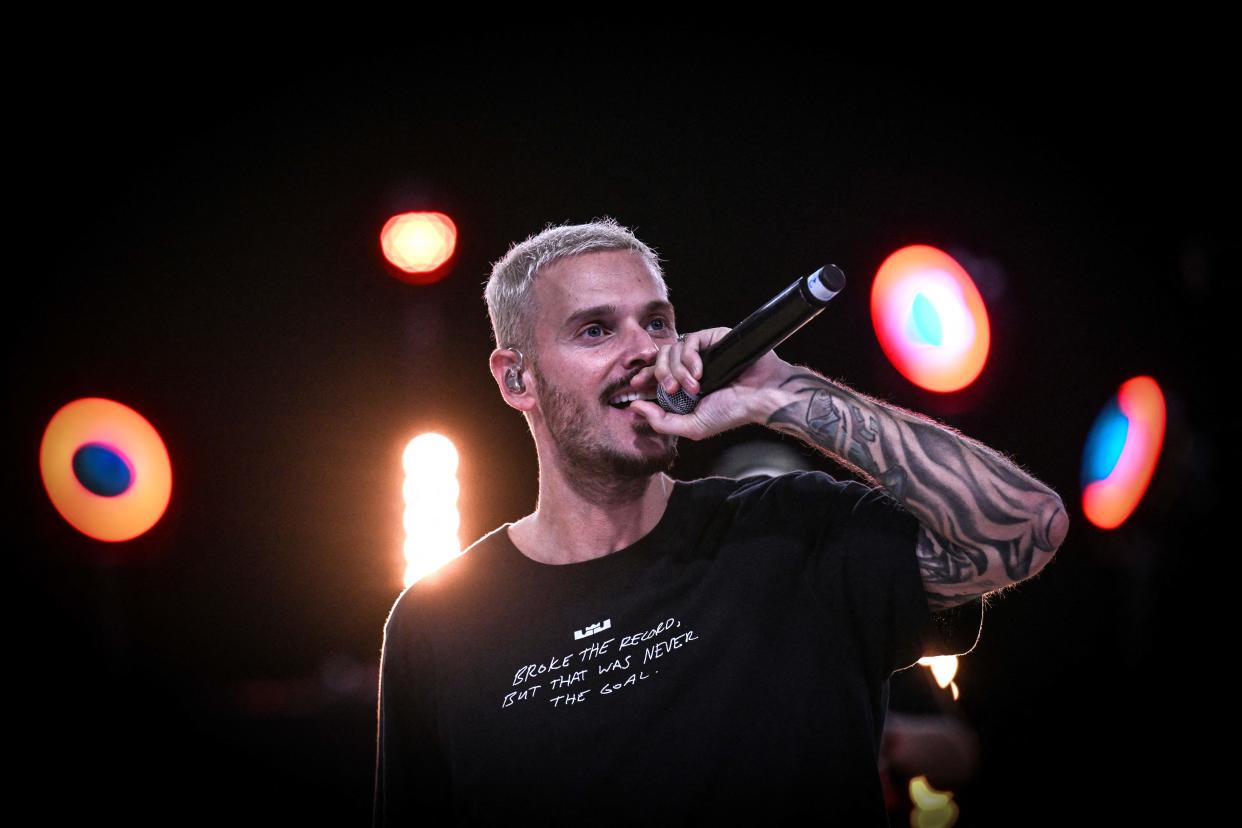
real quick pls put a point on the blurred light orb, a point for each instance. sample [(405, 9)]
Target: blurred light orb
[(1119, 458), (932, 808), (930, 319), (419, 489), (431, 518), (105, 469), (430, 456), (418, 244), (943, 668)]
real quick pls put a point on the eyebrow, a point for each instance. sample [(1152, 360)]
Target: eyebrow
[(603, 311)]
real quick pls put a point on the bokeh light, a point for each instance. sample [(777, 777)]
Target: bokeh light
[(1121, 451), (932, 808), (105, 469), (930, 319), (418, 245), (430, 491)]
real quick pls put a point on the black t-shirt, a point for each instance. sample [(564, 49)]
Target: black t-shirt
[(733, 662)]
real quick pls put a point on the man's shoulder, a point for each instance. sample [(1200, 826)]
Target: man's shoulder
[(442, 588), (796, 490), (758, 484)]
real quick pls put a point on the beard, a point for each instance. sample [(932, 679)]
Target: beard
[(600, 471)]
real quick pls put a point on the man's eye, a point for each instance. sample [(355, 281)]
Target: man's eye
[(658, 325), (593, 331)]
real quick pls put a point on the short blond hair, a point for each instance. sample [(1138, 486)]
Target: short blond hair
[(509, 289)]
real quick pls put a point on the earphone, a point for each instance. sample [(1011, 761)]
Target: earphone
[(513, 377)]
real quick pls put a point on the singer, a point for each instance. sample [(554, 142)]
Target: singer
[(640, 649)]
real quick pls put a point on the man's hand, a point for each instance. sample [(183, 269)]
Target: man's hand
[(986, 523), (750, 398)]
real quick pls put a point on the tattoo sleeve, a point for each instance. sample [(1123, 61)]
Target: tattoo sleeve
[(985, 523)]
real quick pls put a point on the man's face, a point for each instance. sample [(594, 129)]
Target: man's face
[(600, 318)]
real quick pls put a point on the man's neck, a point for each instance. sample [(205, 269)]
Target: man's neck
[(570, 525)]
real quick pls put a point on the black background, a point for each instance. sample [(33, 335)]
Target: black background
[(198, 237)]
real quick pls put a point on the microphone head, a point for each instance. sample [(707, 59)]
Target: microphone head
[(825, 283), (679, 403), (833, 277)]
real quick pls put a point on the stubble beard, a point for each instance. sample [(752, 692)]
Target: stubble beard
[(598, 471)]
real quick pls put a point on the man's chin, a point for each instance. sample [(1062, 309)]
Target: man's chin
[(652, 461), (643, 429)]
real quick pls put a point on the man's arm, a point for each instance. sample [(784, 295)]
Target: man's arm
[(985, 523), (411, 773)]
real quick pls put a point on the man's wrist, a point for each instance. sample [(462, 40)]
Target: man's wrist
[(779, 393)]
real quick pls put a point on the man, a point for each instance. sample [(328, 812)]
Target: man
[(644, 650)]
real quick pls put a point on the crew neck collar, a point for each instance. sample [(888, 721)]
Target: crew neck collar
[(636, 552)]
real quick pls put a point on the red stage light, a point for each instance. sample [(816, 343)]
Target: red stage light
[(930, 319), (418, 244)]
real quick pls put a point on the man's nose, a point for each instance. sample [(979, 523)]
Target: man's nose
[(641, 347)]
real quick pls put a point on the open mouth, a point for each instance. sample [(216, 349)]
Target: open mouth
[(624, 400)]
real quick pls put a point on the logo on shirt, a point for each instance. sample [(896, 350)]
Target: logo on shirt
[(598, 626)]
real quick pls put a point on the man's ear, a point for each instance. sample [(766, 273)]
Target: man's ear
[(511, 374)]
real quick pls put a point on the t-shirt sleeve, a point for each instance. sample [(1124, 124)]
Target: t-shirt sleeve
[(865, 558), (875, 538), (888, 601), (411, 775)]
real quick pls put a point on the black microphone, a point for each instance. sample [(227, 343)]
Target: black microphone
[(757, 334)]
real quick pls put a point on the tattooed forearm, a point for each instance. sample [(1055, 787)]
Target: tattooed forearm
[(986, 523), (950, 571)]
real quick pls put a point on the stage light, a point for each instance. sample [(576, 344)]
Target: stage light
[(1121, 451), (932, 808), (105, 469), (943, 669), (430, 492), (930, 319), (418, 245)]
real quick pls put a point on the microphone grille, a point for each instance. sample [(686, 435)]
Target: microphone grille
[(679, 403)]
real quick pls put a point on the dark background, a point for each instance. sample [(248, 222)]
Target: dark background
[(198, 238)]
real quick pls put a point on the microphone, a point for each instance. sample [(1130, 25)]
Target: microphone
[(757, 334)]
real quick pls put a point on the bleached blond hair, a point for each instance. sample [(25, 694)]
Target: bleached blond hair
[(509, 291)]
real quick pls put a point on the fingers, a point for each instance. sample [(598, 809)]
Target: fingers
[(678, 365), (643, 377), (681, 358), (666, 423)]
